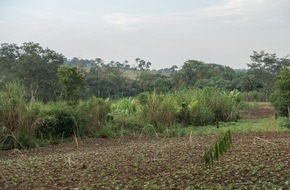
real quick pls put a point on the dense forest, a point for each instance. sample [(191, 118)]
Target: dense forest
[(36, 67)]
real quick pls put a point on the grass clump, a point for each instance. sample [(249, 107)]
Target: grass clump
[(106, 132), (17, 123)]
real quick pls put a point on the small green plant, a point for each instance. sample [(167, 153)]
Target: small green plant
[(106, 132), (284, 122), (218, 149)]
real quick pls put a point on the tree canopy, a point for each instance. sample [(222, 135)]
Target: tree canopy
[(33, 65)]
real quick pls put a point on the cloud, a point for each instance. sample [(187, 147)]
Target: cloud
[(237, 11), (225, 12), (124, 21), (229, 8), (2, 21)]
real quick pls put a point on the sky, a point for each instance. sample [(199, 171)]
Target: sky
[(164, 32)]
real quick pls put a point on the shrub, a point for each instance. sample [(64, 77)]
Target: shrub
[(58, 121), (253, 96), (187, 107), (107, 132), (92, 115), (284, 122), (12, 106), (15, 124), (168, 111)]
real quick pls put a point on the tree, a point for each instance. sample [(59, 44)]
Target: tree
[(33, 65), (142, 64), (71, 81), (106, 81), (199, 74), (99, 62), (283, 89), (264, 67), (149, 82), (9, 54)]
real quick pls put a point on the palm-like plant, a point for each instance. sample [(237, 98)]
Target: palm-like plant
[(217, 149)]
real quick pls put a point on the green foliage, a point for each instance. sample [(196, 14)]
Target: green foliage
[(199, 74), (252, 96), (125, 106), (18, 119), (168, 110), (108, 82), (152, 109), (282, 94), (71, 81), (34, 66), (126, 113), (187, 107), (284, 122), (61, 120), (12, 105), (218, 149), (149, 82), (143, 98), (263, 68), (107, 132), (58, 121), (12, 110), (92, 115), (210, 105)]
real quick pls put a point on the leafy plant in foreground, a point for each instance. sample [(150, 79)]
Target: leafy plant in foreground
[(218, 149)]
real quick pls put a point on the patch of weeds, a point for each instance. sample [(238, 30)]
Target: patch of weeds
[(107, 132), (176, 131), (123, 132), (284, 122), (149, 130)]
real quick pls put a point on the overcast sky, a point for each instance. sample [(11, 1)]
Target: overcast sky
[(164, 32)]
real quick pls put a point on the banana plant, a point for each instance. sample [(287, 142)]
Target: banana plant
[(217, 149)]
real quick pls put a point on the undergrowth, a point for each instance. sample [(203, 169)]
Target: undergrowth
[(26, 124)]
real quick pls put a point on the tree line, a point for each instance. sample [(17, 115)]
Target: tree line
[(37, 68)]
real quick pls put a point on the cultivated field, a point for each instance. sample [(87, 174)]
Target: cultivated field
[(256, 161)]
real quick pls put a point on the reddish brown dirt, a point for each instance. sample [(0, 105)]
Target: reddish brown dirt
[(258, 113), (256, 161)]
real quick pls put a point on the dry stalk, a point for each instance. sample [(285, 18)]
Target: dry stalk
[(76, 140), (190, 139), (266, 141)]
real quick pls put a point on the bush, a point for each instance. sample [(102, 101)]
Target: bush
[(107, 132), (58, 121), (16, 123), (208, 105), (284, 122), (253, 96), (188, 107), (12, 107), (280, 107), (92, 115)]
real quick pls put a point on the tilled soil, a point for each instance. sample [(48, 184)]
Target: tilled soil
[(258, 113), (255, 161)]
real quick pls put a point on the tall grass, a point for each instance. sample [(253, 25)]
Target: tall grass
[(29, 124), (92, 115), (25, 124), (186, 107), (17, 120)]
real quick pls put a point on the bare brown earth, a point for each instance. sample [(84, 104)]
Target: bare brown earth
[(258, 113), (256, 161)]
